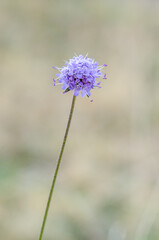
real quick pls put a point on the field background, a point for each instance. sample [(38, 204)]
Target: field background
[(108, 184)]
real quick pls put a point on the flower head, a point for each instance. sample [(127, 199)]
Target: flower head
[(80, 74)]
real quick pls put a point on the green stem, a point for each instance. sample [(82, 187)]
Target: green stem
[(57, 168)]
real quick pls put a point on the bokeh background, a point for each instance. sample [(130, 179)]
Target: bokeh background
[(108, 184)]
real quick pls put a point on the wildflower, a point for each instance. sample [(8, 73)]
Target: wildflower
[(80, 74)]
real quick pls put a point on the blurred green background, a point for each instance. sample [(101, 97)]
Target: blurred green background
[(108, 184)]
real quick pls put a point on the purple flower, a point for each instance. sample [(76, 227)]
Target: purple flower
[(80, 74)]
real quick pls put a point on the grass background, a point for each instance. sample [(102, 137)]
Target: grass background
[(108, 184)]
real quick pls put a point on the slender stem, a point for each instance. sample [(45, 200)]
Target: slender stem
[(57, 168)]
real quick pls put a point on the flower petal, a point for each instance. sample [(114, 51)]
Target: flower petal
[(76, 92), (83, 93), (64, 86)]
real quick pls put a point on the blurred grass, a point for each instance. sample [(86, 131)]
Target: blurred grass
[(108, 182)]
